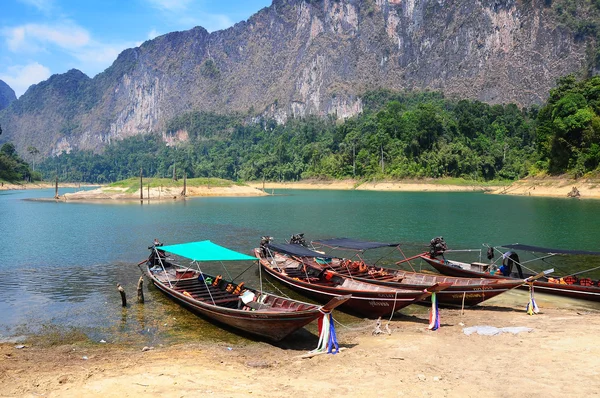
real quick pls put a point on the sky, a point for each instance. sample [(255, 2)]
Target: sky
[(39, 38)]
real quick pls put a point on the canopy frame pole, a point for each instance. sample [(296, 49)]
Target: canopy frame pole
[(163, 267), (516, 262), (197, 263)]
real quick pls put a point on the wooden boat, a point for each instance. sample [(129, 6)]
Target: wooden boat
[(460, 292), (233, 304), (566, 285), (367, 299)]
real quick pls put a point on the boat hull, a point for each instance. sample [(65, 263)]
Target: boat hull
[(590, 293), (374, 303), (269, 324), (461, 291)]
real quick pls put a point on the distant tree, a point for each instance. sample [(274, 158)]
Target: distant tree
[(33, 151)]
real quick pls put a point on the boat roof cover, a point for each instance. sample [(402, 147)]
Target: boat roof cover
[(205, 251), (354, 244), (294, 250), (518, 246)]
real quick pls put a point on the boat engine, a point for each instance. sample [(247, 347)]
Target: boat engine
[(298, 239), (437, 246), (264, 241)]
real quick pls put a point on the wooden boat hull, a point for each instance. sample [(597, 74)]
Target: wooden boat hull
[(270, 324), (461, 291), (375, 302), (453, 268)]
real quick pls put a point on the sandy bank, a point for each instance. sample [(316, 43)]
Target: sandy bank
[(559, 187), (159, 194), (553, 187), (40, 185), (558, 358), (400, 186)]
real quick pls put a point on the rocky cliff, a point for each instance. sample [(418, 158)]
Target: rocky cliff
[(7, 95), (300, 57)]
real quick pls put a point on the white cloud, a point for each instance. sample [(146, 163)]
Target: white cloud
[(20, 77), (96, 57), (36, 37), (42, 5), (171, 5), (153, 34), (210, 22)]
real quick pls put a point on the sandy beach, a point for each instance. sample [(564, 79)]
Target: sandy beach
[(556, 358), (559, 187)]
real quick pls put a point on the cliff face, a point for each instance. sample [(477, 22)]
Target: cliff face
[(300, 57), (7, 95)]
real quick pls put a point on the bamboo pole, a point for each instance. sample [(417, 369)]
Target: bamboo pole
[(122, 292)]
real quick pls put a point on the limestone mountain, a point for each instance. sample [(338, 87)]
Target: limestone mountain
[(7, 95), (301, 57)]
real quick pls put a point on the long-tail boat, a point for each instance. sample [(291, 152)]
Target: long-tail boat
[(461, 291), (230, 303), (572, 285), (287, 264)]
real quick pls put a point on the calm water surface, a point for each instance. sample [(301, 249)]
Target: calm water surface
[(61, 261)]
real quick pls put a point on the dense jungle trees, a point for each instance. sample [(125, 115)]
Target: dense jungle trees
[(399, 135)]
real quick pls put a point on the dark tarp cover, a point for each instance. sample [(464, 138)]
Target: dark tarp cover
[(294, 250), (518, 246), (346, 243)]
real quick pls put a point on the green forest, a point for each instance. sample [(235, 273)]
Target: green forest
[(398, 135)]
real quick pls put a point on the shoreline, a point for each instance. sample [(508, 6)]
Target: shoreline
[(558, 187), (410, 361)]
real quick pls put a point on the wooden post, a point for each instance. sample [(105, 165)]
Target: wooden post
[(56, 188), (140, 290), (122, 292), (148, 192), (184, 184), (141, 187)]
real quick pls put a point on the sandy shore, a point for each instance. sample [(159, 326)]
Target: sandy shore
[(557, 358), (160, 194), (547, 186), (400, 186)]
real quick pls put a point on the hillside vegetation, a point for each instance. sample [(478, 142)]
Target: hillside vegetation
[(399, 135)]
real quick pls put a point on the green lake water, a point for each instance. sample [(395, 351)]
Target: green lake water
[(61, 261)]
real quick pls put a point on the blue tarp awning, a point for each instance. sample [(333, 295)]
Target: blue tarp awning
[(205, 251)]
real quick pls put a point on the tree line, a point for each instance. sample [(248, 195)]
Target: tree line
[(398, 135)]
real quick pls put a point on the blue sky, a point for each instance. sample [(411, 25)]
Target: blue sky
[(39, 38)]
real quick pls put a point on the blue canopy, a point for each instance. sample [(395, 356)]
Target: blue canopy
[(518, 246), (205, 251), (294, 250)]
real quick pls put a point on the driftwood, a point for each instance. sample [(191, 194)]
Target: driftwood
[(122, 292), (574, 193), (140, 290), (314, 354)]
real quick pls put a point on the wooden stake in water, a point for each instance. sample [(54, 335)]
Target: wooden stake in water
[(56, 188), (140, 290), (141, 187), (122, 292)]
